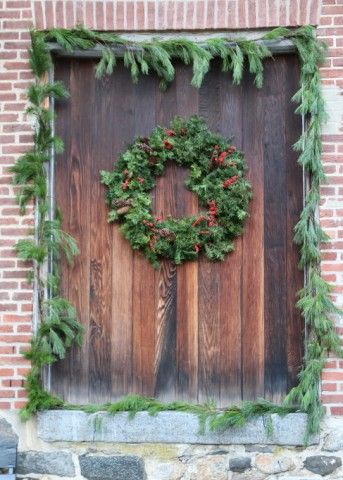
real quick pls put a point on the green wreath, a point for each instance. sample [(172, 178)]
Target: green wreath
[(216, 175)]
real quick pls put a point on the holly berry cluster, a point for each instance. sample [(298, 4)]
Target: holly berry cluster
[(217, 177)]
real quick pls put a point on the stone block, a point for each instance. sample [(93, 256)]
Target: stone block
[(269, 463), (239, 464), (334, 441), (8, 445), (166, 427), (322, 464), (51, 463), (118, 467)]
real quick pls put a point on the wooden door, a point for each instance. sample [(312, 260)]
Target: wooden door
[(224, 331)]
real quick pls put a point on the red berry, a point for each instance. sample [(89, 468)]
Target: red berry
[(197, 247), (125, 184), (168, 145), (169, 133), (140, 179)]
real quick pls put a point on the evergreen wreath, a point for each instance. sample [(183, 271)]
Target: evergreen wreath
[(216, 175)]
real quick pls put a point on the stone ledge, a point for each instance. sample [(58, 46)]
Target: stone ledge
[(166, 427)]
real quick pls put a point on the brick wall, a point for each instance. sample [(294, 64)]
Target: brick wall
[(17, 16)]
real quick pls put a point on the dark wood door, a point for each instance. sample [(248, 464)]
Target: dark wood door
[(225, 331)]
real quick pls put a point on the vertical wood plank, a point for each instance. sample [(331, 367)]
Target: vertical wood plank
[(166, 279), (295, 276), (60, 373), (100, 315), (187, 274), (230, 284), (209, 276), (79, 206), (275, 214), (253, 247), (144, 294), (122, 254)]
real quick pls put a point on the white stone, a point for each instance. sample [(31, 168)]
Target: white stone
[(270, 463)]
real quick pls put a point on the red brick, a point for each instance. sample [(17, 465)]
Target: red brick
[(89, 14), (6, 329), (5, 350), (6, 372), (109, 14), (332, 376), (99, 12), (336, 410), (338, 398), (70, 21), (59, 12), (8, 15), (129, 16), (329, 387), (17, 24), (18, 4), (6, 393), (49, 14)]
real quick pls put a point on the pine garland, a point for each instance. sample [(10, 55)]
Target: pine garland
[(216, 175), (59, 328)]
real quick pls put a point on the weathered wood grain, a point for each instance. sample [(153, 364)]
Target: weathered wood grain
[(209, 278), (294, 195), (187, 336), (230, 271), (253, 281), (144, 292), (275, 314), (201, 330)]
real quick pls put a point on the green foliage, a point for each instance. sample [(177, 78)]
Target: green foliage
[(59, 327), (216, 175), (38, 398), (210, 417)]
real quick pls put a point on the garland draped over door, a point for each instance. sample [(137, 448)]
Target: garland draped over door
[(58, 328)]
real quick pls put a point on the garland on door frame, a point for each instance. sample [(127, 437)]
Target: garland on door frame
[(58, 328), (216, 176)]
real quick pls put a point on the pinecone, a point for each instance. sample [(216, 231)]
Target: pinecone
[(121, 203), (145, 147), (123, 210), (167, 234), (153, 161)]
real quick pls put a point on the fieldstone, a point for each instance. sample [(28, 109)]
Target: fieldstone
[(239, 464), (259, 448), (334, 441), (249, 476), (54, 463), (7, 435), (119, 467), (8, 444), (296, 477), (208, 467), (268, 463), (322, 464), (156, 469)]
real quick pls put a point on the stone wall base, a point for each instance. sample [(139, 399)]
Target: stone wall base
[(99, 460)]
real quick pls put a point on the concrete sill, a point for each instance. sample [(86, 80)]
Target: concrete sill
[(166, 427)]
